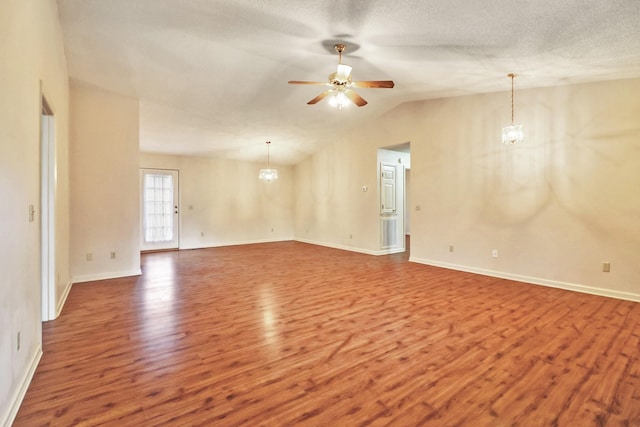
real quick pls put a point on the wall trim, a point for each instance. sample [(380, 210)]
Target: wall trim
[(311, 242), (533, 280), (63, 299), (352, 248), (104, 276), (9, 417), (237, 243)]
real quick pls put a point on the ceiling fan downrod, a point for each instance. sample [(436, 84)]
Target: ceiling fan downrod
[(339, 48)]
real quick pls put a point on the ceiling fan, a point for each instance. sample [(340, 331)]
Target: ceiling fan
[(340, 85)]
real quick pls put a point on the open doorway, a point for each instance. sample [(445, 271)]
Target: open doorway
[(394, 162), (47, 211)]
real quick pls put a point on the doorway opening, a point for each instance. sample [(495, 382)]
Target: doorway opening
[(394, 164), (47, 211)]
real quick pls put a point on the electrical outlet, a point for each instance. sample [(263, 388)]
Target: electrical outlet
[(494, 253), (606, 267)]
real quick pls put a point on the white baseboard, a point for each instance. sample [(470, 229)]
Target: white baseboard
[(63, 299), (107, 275), (12, 410), (533, 280), (206, 245), (352, 248), (311, 242)]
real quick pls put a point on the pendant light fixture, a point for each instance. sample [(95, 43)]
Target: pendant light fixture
[(268, 174), (513, 133)]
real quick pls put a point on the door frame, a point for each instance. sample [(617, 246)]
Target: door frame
[(399, 160), (47, 210)]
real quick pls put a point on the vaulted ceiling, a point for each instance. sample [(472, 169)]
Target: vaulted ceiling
[(211, 75)]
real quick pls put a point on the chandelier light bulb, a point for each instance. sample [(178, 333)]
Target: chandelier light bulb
[(338, 99)]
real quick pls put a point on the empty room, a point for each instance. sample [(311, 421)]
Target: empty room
[(278, 213)]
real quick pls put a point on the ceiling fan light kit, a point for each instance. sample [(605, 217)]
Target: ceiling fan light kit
[(338, 98), (340, 84), (343, 73), (512, 134)]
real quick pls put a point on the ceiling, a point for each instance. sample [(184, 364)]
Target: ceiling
[(211, 75)]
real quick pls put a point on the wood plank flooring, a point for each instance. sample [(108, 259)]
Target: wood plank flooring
[(284, 334)]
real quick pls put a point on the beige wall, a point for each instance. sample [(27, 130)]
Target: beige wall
[(555, 207), (225, 201), (330, 207), (104, 156), (32, 53)]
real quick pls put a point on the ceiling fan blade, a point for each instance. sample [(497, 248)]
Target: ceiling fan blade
[(374, 84), (357, 99), (318, 98), (299, 82)]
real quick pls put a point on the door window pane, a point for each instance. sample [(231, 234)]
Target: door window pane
[(158, 208)]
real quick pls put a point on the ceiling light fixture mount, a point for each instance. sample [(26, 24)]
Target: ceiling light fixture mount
[(268, 174), (513, 133)]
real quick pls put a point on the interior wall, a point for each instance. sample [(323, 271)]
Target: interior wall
[(32, 57), (330, 207), (104, 158), (222, 202), (555, 207)]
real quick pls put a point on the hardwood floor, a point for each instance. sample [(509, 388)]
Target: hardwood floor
[(294, 334)]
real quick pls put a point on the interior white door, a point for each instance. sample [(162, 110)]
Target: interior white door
[(160, 209), (388, 174), (391, 187)]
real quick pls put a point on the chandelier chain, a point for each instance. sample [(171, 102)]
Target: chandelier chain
[(268, 156), (512, 100), (512, 115)]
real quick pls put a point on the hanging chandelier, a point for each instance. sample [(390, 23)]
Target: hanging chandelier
[(513, 133), (268, 174)]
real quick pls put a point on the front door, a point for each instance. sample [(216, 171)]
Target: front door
[(160, 209)]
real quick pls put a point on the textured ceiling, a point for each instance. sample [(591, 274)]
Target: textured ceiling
[(211, 75)]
